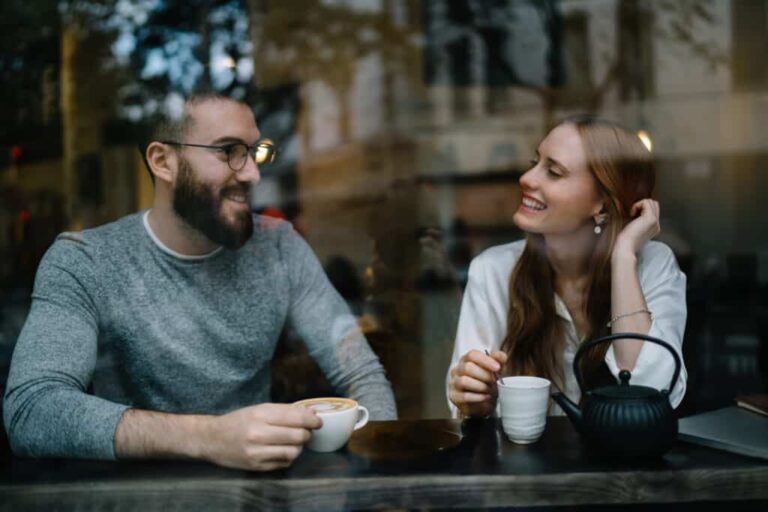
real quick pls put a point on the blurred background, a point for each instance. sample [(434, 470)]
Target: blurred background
[(403, 126)]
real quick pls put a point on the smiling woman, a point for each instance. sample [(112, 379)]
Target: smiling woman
[(559, 194), (587, 267)]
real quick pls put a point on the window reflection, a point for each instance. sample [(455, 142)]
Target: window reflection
[(404, 127)]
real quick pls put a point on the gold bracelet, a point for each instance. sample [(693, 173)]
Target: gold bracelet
[(619, 317)]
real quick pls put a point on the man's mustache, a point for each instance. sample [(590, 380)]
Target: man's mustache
[(236, 189)]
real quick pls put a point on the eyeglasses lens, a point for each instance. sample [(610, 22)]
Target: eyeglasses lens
[(265, 153), (237, 156)]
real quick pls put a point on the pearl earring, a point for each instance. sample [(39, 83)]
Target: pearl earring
[(600, 219)]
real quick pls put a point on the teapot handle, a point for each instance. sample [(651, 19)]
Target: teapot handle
[(623, 335)]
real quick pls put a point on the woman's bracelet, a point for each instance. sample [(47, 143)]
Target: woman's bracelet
[(619, 317)]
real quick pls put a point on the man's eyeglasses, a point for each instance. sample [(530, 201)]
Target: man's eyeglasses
[(263, 152)]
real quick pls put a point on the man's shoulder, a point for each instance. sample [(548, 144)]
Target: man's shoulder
[(271, 232), (270, 226), (89, 242)]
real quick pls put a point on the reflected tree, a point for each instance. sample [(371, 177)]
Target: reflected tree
[(29, 63), (177, 46), (89, 78), (312, 40), (542, 47), (687, 24)]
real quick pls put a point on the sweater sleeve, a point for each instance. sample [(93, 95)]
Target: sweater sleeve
[(330, 331), (47, 412), (663, 285)]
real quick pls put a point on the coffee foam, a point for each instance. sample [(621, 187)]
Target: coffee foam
[(326, 405)]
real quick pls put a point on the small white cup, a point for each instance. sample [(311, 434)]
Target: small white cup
[(524, 402), (341, 416)]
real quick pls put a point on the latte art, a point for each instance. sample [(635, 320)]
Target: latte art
[(341, 417), (326, 405)]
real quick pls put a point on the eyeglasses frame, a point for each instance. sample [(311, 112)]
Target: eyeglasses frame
[(227, 149)]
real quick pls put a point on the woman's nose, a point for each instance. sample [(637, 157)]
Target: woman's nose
[(528, 179)]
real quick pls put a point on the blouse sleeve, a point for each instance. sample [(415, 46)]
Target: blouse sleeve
[(663, 285), (478, 327)]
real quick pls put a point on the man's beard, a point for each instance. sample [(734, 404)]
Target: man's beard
[(200, 207)]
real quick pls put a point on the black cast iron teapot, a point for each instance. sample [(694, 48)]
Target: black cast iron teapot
[(623, 420)]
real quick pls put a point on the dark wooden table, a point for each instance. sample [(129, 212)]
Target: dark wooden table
[(412, 464)]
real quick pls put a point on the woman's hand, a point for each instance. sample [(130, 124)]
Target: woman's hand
[(472, 387), (641, 229)]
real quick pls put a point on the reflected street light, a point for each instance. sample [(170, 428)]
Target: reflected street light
[(226, 62), (645, 138)]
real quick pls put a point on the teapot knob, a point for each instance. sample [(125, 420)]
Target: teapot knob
[(624, 376)]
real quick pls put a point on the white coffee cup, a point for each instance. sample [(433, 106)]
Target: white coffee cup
[(341, 416), (524, 402)]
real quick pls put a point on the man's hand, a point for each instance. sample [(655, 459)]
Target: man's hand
[(261, 437), (473, 383)]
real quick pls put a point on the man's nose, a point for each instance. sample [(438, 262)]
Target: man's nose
[(250, 172)]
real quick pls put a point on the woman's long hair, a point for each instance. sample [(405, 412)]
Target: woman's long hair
[(625, 174)]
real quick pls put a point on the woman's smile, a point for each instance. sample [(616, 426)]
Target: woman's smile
[(530, 204)]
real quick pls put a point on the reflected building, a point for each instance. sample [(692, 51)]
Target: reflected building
[(398, 117), (444, 132)]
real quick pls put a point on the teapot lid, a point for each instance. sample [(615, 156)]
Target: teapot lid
[(625, 390)]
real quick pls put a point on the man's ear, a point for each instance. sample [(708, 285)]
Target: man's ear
[(162, 161)]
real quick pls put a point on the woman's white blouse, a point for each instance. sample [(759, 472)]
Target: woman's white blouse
[(483, 320)]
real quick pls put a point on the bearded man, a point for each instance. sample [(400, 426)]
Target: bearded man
[(152, 336)]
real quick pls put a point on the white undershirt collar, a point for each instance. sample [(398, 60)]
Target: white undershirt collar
[(170, 251)]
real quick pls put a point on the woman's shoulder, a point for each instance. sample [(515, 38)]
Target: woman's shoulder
[(656, 251), (657, 259), (501, 256)]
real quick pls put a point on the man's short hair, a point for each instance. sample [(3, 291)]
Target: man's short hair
[(174, 124)]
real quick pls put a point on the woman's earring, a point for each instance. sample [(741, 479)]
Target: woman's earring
[(599, 221)]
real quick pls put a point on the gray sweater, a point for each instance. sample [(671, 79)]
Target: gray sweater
[(119, 321)]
